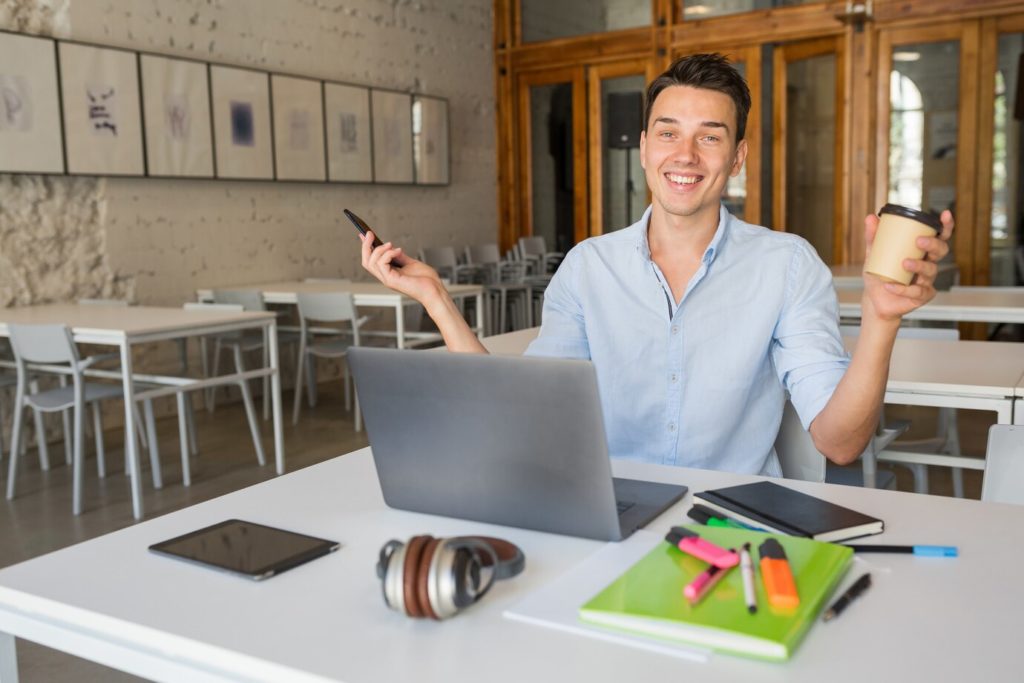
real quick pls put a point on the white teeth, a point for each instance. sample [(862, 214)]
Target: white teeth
[(685, 180)]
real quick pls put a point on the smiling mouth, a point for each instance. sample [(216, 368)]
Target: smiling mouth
[(683, 180)]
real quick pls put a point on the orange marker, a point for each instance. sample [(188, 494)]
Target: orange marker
[(777, 576)]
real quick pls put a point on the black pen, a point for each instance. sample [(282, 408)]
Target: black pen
[(851, 594)]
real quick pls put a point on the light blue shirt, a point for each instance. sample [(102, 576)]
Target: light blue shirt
[(701, 384)]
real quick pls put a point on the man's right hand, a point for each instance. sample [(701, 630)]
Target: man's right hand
[(401, 272)]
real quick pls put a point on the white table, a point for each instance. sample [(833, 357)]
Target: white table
[(851, 276), (111, 601), (125, 327), (364, 294), (953, 306)]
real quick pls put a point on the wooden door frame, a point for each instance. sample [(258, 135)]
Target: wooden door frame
[(782, 55), (524, 81), (595, 125), (991, 29), (967, 32)]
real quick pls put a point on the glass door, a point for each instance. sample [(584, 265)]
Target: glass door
[(927, 118), (615, 93), (552, 135), (807, 155), (1000, 235)]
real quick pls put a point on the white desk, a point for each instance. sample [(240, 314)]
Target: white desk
[(851, 276), (958, 306), (125, 327), (111, 601), (363, 293)]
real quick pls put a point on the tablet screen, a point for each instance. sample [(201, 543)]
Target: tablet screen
[(247, 548)]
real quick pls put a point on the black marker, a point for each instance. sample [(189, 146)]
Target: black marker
[(851, 594)]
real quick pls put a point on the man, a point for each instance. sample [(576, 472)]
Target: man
[(697, 323)]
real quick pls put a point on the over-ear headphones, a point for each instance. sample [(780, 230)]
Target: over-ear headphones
[(437, 577)]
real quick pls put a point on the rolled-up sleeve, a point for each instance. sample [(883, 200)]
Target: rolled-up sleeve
[(807, 350), (563, 332)]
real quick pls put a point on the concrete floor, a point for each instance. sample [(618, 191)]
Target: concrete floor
[(39, 519)]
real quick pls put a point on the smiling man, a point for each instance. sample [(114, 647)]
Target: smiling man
[(697, 323)]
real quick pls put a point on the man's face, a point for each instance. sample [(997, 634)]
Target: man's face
[(689, 150)]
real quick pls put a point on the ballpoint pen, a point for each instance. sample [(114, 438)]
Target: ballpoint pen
[(919, 550), (858, 587), (747, 567)]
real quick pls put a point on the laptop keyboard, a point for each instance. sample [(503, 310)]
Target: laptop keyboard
[(623, 505)]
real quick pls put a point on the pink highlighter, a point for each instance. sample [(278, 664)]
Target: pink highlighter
[(691, 543)]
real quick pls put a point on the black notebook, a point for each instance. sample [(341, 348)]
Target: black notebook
[(775, 508)]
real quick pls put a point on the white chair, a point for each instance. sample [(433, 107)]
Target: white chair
[(240, 343), (941, 449), (53, 348), (1004, 465), (446, 263), (800, 459), (334, 308), (535, 249), (508, 294)]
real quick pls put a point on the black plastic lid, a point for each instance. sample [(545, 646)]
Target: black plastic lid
[(929, 219)]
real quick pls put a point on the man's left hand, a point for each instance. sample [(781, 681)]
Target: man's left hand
[(890, 300)]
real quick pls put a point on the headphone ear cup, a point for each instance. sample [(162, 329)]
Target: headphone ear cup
[(424, 576), (410, 574), (389, 569), (466, 573)]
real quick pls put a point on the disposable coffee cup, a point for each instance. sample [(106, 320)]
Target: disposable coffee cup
[(896, 241)]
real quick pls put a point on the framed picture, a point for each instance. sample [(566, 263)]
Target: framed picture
[(430, 140), (102, 116), (347, 117), (241, 123), (30, 132), (176, 111), (298, 128), (392, 136)]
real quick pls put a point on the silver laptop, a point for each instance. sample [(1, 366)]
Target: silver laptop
[(506, 440)]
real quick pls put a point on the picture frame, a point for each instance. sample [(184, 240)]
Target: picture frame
[(349, 135), (176, 114), (392, 136), (298, 106), (102, 111), (31, 138), (242, 142), (430, 140)]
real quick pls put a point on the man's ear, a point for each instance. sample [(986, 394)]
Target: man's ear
[(643, 149), (741, 156)]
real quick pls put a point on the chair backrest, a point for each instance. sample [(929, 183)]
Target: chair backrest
[(1004, 465), (248, 299), (795, 448), (329, 280), (116, 303), (483, 254), (206, 306), (440, 257), (43, 344), (533, 246), (332, 307)]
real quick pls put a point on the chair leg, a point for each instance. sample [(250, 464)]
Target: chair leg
[(41, 445), (12, 467), (298, 384), (190, 417), (97, 428), (869, 466), (212, 398), (266, 378), (250, 414), (78, 430), (184, 437), (65, 416), (154, 449), (920, 477)]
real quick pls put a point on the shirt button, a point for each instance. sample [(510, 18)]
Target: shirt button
[(671, 426), (675, 329), (675, 377)]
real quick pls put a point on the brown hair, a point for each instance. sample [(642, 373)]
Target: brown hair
[(708, 71)]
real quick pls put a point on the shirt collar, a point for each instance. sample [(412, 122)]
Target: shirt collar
[(643, 247)]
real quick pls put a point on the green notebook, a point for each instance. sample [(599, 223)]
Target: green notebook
[(648, 598)]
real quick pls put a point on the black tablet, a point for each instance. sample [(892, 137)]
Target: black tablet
[(246, 548)]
